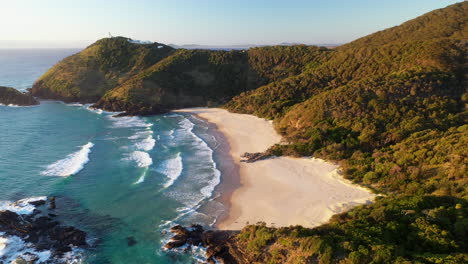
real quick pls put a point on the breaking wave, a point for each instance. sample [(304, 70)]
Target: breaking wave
[(172, 168), (70, 165)]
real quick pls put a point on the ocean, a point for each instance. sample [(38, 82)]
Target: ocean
[(120, 179)]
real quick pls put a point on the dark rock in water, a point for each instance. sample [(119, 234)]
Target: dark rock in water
[(52, 204), (67, 236), (12, 96), (131, 241), (252, 157), (41, 231), (219, 244), (38, 202), (175, 243)]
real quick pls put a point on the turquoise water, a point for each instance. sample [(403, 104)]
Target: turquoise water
[(116, 178)]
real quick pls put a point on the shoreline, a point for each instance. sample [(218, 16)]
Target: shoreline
[(279, 191), (230, 176)]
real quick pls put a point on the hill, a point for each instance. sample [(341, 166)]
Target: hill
[(391, 108), (376, 94), (119, 74)]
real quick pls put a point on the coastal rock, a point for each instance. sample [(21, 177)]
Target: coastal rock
[(219, 244), (11, 96), (252, 157), (41, 231)]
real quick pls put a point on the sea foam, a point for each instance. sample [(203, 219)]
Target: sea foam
[(12, 247), (146, 144), (70, 165), (172, 168), (21, 206), (129, 122), (204, 173), (142, 159), (205, 153)]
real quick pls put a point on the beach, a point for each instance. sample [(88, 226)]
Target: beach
[(279, 191)]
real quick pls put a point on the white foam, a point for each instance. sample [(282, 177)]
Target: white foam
[(129, 121), (13, 247), (172, 168), (171, 134), (146, 144), (93, 109), (206, 152), (21, 206), (208, 190), (75, 104), (142, 159), (204, 173), (142, 177), (13, 105), (70, 165), (141, 134)]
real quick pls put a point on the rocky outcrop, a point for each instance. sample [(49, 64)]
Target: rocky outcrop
[(220, 245), (40, 229), (252, 157), (11, 96)]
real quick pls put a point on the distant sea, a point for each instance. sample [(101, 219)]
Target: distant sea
[(119, 179)]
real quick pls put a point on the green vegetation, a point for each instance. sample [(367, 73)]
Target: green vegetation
[(154, 78), (406, 229), (390, 107), (88, 75)]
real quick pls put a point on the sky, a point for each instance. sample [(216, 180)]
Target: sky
[(78, 23)]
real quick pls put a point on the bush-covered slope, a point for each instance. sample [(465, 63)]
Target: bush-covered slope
[(14, 97), (203, 77), (435, 41), (374, 93), (408, 229), (186, 78), (87, 75), (151, 78), (392, 108)]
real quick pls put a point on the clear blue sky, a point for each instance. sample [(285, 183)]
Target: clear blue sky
[(71, 23)]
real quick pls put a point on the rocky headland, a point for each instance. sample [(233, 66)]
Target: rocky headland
[(11, 96)]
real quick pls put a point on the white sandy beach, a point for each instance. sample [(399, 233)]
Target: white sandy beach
[(280, 191)]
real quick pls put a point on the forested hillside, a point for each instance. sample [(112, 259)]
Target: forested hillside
[(377, 94), (120, 75), (390, 107)]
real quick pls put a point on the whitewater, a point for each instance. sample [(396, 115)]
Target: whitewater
[(70, 165)]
